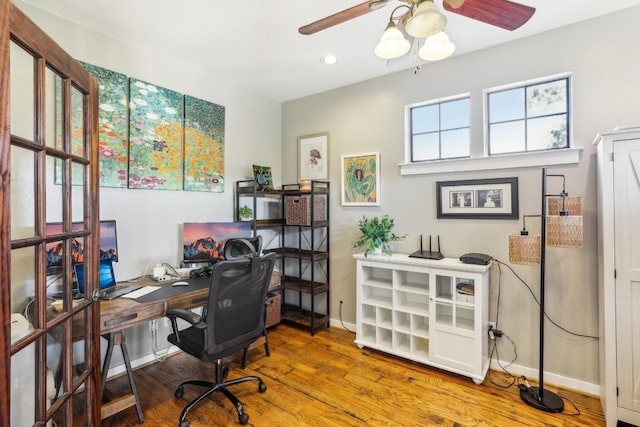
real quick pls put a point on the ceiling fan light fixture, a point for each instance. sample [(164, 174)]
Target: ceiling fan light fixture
[(437, 47), (426, 20), (392, 43)]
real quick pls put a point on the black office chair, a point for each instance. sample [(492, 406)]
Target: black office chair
[(232, 320)]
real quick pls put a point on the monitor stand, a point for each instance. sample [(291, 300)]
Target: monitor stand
[(428, 254)]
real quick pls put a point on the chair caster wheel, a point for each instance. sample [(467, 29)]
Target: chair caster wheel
[(243, 418), (262, 387), (184, 423), (179, 393)]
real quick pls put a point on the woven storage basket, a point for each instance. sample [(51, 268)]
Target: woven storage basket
[(299, 209), (273, 310)]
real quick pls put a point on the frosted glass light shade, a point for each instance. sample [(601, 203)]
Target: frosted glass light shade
[(426, 20), (564, 231), (573, 205), (524, 249), (437, 47), (392, 43)]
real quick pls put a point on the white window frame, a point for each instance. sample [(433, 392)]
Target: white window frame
[(556, 156), (408, 135)]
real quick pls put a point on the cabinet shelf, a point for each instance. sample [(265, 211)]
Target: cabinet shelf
[(303, 317), (302, 285), (304, 254)]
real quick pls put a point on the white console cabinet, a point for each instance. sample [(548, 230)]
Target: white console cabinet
[(430, 311), (619, 274)]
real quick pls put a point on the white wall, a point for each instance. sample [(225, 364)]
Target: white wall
[(369, 117), (149, 222)]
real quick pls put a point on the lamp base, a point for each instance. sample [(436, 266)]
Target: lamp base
[(550, 401)]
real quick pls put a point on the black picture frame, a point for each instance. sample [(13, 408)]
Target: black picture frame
[(494, 198)]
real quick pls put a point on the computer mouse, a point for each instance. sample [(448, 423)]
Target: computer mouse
[(180, 284)]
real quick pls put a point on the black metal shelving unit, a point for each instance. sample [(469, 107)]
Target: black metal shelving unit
[(299, 229)]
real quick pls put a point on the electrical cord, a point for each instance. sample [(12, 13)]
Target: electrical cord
[(538, 302), (341, 322)]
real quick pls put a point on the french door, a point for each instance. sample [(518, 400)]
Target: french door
[(50, 343)]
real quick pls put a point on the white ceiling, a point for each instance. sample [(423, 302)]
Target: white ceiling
[(256, 44)]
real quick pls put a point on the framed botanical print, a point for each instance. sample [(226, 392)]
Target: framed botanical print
[(313, 157)]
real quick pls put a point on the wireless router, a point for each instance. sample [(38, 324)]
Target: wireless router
[(430, 254)]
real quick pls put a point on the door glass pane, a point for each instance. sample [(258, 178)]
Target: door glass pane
[(77, 123), (55, 358), (23, 262), (77, 192), (53, 196), (79, 356), (22, 96), (23, 195), (53, 109), (22, 377)]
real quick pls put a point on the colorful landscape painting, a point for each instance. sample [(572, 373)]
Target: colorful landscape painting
[(203, 145), (155, 137), (113, 92)]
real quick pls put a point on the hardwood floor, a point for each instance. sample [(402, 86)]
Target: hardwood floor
[(326, 380)]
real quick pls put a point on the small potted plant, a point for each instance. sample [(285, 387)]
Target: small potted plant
[(376, 235), (246, 213)]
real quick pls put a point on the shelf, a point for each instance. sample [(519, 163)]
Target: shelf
[(303, 317), (299, 253), (306, 286)]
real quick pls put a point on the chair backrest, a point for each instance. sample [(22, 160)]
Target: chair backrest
[(246, 247), (235, 312)]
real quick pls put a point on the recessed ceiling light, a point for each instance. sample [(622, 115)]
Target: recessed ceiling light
[(329, 59)]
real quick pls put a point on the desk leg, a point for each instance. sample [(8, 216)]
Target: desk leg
[(113, 339)]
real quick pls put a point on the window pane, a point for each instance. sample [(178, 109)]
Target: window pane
[(425, 119), (77, 123), (547, 132), (53, 107), (547, 98), (507, 137), (455, 114), (425, 147), (23, 193), (22, 95), (77, 192), (455, 143), (506, 105)]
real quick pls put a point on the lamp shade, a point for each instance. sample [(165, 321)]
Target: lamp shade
[(426, 20), (392, 43), (437, 47), (524, 249), (571, 205), (564, 231)]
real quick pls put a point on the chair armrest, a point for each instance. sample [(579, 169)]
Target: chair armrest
[(183, 314), (189, 316)]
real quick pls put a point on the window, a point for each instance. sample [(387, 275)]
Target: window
[(438, 129), (530, 117)]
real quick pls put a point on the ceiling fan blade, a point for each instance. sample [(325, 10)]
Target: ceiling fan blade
[(500, 13), (343, 16)]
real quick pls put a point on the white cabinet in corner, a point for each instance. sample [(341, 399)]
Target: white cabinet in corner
[(430, 311)]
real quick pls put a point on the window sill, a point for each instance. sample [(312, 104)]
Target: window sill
[(505, 161)]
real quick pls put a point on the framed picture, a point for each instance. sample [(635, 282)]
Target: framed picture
[(495, 198), (313, 156), (361, 179)]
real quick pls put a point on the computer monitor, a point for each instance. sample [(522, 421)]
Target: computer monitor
[(204, 241), (108, 245)]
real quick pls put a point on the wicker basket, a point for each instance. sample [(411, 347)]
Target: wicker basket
[(273, 310), (299, 209), (276, 278)]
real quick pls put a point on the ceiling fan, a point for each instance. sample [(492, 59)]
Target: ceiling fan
[(422, 19)]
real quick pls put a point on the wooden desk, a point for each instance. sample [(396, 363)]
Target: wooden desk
[(118, 314)]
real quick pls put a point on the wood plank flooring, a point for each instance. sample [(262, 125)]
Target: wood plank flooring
[(326, 380)]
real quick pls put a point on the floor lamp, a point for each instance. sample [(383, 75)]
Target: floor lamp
[(560, 226)]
